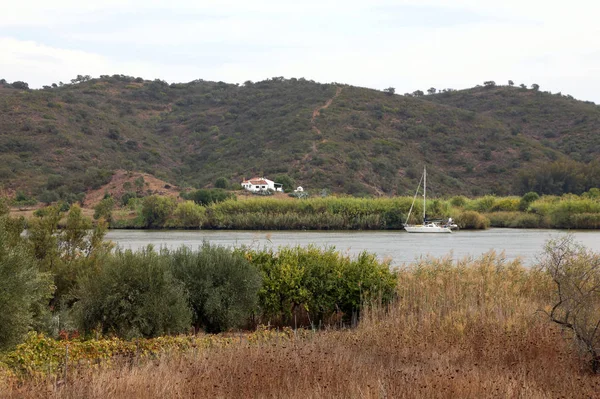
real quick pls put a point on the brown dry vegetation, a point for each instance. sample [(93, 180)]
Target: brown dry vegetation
[(115, 187), (470, 329)]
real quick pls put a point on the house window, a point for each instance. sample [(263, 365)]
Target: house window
[(264, 187)]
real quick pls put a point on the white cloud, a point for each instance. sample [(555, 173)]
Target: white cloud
[(356, 42)]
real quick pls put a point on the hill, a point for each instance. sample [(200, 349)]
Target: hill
[(67, 140)]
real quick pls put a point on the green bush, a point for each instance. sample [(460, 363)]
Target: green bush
[(188, 215), (319, 283), (208, 196), (472, 220), (222, 182), (527, 199), (132, 295), (104, 209), (24, 290), (156, 210), (223, 286)]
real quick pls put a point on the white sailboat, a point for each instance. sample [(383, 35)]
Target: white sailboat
[(427, 226)]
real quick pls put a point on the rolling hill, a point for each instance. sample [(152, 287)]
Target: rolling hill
[(71, 139)]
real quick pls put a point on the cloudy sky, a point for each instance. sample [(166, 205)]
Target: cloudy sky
[(406, 44)]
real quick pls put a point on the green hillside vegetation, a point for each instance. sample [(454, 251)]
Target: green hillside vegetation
[(59, 142)]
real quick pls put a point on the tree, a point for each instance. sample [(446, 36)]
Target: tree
[(575, 272), (207, 196), (527, 199), (511, 83), (20, 85), (522, 86), (535, 86), (156, 210), (24, 290), (188, 214), (432, 90), (390, 91), (104, 209), (489, 83), (418, 93), (222, 284), (132, 295), (222, 182), (287, 182)]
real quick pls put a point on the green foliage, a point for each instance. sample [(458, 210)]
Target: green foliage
[(84, 131), (75, 249), (132, 295), (188, 215), (24, 290), (104, 209), (222, 182), (287, 182), (319, 282), (527, 199), (472, 220), (222, 285), (208, 196), (156, 210), (561, 177)]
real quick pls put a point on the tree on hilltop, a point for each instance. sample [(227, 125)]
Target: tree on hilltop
[(390, 91)]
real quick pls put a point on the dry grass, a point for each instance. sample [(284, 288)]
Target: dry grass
[(467, 330)]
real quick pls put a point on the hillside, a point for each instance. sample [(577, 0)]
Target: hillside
[(63, 141)]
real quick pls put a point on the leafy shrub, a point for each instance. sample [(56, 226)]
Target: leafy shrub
[(472, 220), (104, 209), (221, 182), (318, 283), (132, 295), (208, 196), (188, 215), (24, 290), (527, 199), (156, 210), (223, 286)]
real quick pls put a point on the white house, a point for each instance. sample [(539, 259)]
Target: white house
[(261, 184), (299, 189)]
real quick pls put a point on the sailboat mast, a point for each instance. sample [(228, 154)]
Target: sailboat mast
[(424, 191)]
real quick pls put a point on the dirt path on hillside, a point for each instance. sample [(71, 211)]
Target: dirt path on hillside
[(318, 110)]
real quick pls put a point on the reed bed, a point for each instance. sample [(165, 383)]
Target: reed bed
[(468, 329)]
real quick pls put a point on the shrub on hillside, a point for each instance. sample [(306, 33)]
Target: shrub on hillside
[(223, 286), (132, 295), (472, 220)]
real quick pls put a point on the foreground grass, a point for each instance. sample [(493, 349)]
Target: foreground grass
[(468, 329)]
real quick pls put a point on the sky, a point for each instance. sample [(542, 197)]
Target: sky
[(406, 44)]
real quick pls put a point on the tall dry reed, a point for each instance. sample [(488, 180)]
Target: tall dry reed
[(467, 329)]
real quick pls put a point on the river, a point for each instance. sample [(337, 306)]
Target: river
[(399, 246)]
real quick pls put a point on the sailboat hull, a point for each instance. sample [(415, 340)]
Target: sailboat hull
[(427, 229)]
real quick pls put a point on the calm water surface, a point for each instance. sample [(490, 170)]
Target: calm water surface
[(399, 246)]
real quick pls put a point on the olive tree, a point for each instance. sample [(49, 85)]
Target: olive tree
[(575, 272), (24, 290)]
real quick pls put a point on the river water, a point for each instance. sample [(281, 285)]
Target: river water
[(399, 246)]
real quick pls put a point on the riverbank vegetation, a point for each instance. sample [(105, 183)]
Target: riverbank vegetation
[(467, 328), (568, 211)]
